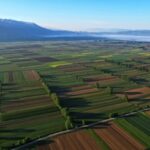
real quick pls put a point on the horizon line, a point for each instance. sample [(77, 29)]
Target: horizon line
[(92, 29)]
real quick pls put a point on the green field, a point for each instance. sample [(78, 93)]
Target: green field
[(61, 84), (138, 127)]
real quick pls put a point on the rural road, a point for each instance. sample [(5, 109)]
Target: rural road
[(25, 146)]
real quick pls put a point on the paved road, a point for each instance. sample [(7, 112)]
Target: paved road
[(25, 146)]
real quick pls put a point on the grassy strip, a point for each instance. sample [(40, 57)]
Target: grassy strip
[(141, 122), (98, 140), (135, 132)]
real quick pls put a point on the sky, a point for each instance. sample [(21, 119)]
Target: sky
[(80, 15)]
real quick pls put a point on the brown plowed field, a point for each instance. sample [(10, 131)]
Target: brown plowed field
[(31, 75), (117, 138), (72, 141), (137, 93)]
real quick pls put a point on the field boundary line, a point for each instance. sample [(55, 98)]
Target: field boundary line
[(23, 147)]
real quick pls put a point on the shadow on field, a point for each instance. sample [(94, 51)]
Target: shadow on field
[(43, 142), (9, 84), (59, 89), (16, 130), (143, 100), (139, 80), (11, 138), (102, 125), (75, 102), (48, 76), (130, 116), (39, 143), (87, 117)]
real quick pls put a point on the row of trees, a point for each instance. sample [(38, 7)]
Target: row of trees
[(18, 143), (64, 111), (108, 89), (129, 65)]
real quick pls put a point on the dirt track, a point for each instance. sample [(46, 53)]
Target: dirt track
[(106, 121), (73, 141)]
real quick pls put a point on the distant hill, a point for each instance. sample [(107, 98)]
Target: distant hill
[(11, 30)]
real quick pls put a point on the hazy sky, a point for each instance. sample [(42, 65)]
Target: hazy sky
[(80, 14)]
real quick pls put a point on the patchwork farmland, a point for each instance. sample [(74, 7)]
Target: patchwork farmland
[(52, 86)]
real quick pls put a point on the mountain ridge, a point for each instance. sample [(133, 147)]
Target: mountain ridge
[(20, 30), (12, 30)]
